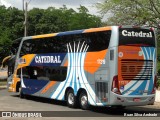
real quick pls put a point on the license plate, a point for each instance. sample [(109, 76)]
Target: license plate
[(136, 99)]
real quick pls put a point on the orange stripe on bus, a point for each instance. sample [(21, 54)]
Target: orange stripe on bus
[(97, 29), (44, 36), (48, 86), (66, 63), (28, 59), (91, 64)]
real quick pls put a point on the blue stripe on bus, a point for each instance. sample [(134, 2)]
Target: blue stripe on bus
[(140, 88), (145, 54), (33, 85), (151, 80), (146, 58), (71, 68), (129, 88), (151, 84), (70, 32), (85, 84), (150, 52), (37, 62), (143, 84), (69, 73)]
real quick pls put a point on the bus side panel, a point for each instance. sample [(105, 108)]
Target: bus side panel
[(79, 76), (32, 86)]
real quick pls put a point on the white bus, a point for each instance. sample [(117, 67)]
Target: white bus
[(107, 66)]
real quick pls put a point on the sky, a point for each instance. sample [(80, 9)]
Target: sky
[(54, 3)]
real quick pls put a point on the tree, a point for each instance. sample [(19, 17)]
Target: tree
[(131, 12), (63, 19), (41, 21), (83, 20)]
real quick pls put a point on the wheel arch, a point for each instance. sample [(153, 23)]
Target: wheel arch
[(80, 91)]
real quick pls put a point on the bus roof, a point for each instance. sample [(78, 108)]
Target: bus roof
[(80, 31), (72, 32)]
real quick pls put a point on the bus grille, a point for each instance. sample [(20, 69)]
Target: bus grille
[(136, 69), (101, 90)]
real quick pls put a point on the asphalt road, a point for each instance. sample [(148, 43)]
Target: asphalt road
[(12, 102)]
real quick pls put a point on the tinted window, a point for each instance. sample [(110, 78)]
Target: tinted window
[(45, 73), (11, 64), (131, 36), (97, 41)]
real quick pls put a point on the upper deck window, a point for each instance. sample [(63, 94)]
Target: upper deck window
[(97, 41)]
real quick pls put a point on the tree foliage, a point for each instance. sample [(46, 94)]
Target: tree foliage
[(41, 21), (131, 12)]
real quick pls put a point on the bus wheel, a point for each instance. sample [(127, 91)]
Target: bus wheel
[(83, 101), (71, 99), (21, 95)]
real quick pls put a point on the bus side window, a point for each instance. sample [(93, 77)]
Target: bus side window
[(25, 73), (58, 74), (32, 72), (41, 75)]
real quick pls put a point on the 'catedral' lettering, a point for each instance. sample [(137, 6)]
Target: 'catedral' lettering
[(47, 59), (136, 34)]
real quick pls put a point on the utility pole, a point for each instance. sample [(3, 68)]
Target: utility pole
[(25, 17), (23, 5), (25, 21)]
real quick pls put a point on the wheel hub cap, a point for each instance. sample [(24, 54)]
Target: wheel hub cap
[(84, 100), (71, 98)]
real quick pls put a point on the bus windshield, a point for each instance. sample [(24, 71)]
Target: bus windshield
[(136, 37)]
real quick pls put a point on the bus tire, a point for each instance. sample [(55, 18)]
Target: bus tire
[(83, 100), (21, 95), (71, 99)]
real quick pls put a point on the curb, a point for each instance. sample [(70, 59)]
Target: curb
[(3, 87), (157, 98)]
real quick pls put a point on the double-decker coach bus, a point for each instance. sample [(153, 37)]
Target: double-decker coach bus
[(106, 66)]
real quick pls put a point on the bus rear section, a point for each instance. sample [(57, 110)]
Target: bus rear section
[(135, 82)]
